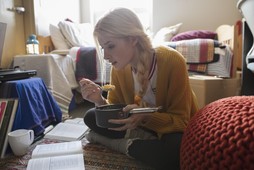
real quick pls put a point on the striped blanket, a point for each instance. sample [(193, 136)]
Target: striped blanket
[(87, 65), (200, 53)]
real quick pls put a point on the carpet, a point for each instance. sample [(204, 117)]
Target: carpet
[(96, 157)]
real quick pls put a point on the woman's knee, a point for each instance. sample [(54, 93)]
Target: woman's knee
[(89, 117)]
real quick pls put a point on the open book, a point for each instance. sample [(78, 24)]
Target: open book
[(65, 155), (70, 130)]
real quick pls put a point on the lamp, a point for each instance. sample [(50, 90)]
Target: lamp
[(32, 45)]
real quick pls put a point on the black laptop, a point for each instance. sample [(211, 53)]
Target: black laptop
[(12, 73)]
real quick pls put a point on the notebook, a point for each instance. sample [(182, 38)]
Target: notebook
[(13, 73)]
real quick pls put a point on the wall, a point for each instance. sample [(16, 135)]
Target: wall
[(49, 12), (14, 39), (194, 14)]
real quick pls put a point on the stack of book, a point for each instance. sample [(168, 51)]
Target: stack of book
[(8, 108)]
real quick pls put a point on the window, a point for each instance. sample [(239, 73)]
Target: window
[(143, 9)]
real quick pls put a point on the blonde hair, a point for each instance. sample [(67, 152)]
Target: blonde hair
[(123, 23)]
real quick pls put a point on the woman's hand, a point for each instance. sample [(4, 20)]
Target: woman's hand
[(131, 122), (91, 92)]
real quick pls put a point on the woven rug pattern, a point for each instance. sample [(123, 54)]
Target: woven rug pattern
[(96, 157)]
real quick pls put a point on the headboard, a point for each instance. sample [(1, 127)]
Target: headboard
[(238, 44), (225, 34), (45, 44), (232, 35)]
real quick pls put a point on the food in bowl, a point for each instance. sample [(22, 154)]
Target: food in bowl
[(112, 111), (108, 87)]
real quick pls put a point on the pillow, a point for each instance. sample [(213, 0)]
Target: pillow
[(78, 35), (205, 34), (57, 38), (166, 33), (70, 32)]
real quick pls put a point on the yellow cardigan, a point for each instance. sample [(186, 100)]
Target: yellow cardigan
[(173, 92)]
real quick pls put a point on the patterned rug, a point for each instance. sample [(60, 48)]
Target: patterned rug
[(96, 157)]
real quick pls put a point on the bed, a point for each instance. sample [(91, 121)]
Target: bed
[(206, 52), (60, 63)]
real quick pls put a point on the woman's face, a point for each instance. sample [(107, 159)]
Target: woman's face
[(118, 51)]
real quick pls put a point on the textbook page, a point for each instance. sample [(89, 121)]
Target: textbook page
[(65, 162), (67, 132), (56, 149), (76, 120)]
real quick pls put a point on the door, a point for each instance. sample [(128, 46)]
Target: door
[(15, 38)]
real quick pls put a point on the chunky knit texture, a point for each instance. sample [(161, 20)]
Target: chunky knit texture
[(220, 136)]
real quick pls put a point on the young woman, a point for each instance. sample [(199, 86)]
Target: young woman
[(143, 76)]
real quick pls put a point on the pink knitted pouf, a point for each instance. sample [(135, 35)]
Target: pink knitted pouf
[(220, 136)]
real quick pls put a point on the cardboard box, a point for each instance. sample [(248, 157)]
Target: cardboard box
[(209, 88)]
